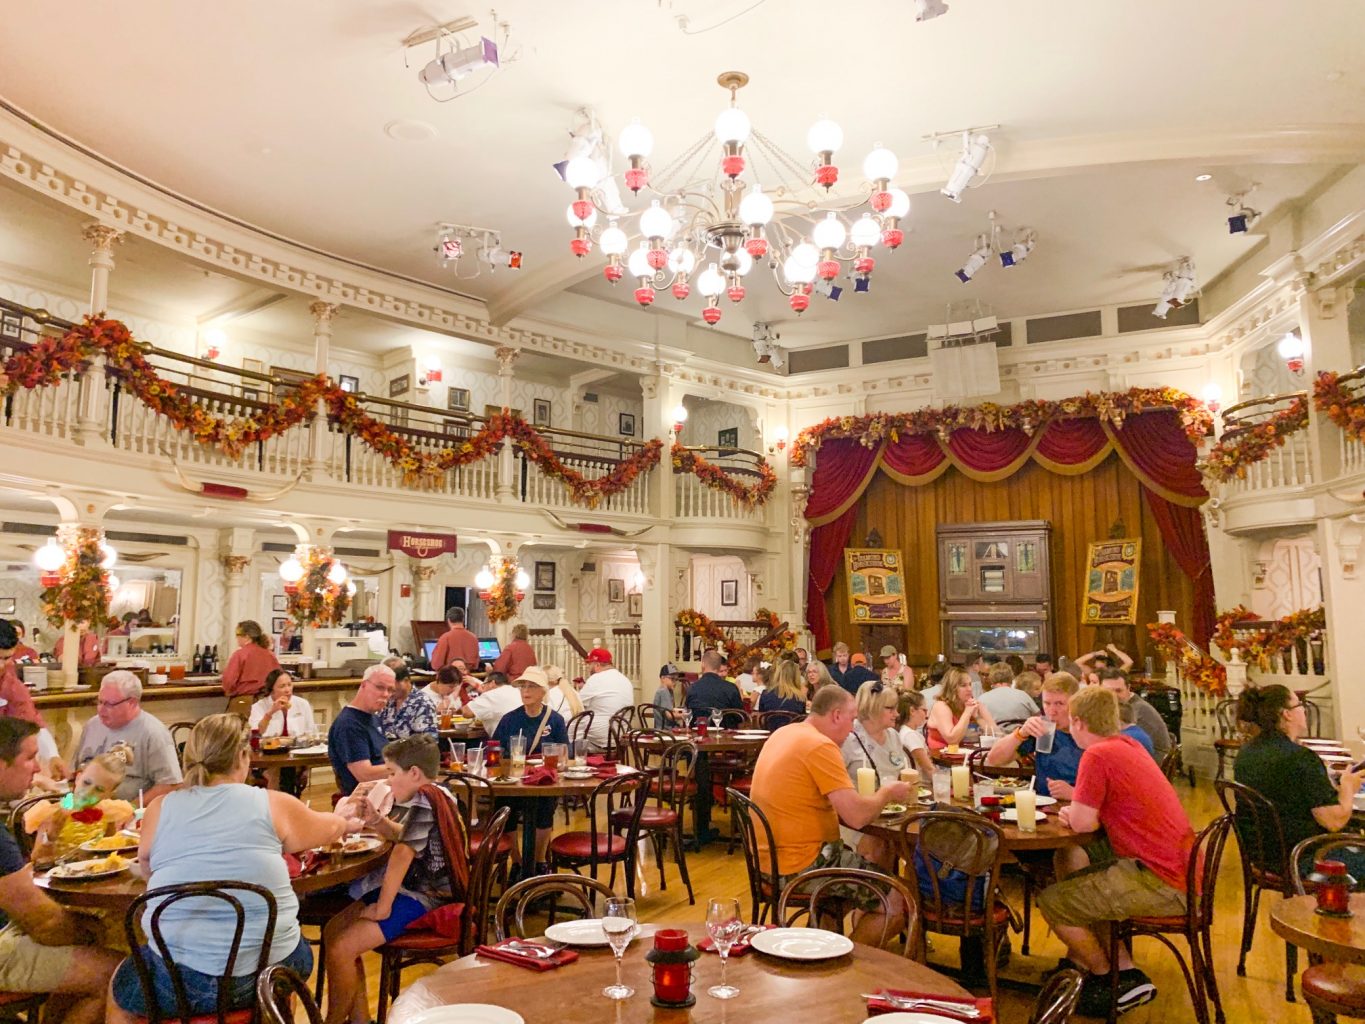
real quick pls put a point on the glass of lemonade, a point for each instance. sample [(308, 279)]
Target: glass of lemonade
[(518, 745)]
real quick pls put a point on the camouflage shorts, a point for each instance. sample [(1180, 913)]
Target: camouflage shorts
[(837, 855)]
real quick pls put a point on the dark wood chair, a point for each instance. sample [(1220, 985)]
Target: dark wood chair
[(1265, 865), (1231, 734), (619, 726), (934, 843), (760, 861), (21, 1006), (601, 844), (1195, 925), (1057, 1001), (230, 893), (644, 716), (180, 734), (822, 898), (421, 946), (25, 839), (276, 990), (774, 719), (669, 763), (1330, 989), (475, 796), (1312, 714), (578, 728), (1170, 764), (509, 918)]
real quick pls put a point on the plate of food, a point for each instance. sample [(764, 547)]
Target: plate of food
[(88, 870), (117, 843), (352, 845), (892, 809)]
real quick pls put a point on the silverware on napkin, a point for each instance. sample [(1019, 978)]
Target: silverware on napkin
[(924, 1003)]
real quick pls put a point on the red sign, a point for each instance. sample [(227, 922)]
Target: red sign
[(422, 545)]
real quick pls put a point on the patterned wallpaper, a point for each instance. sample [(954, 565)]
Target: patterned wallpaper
[(709, 573), (706, 419)]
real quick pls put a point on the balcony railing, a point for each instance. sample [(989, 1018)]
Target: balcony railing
[(1352, 451), (623, 641), (1289, 465), (695, 500)]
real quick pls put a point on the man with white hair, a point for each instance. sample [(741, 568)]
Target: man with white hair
[(355, 746), (120, 719)]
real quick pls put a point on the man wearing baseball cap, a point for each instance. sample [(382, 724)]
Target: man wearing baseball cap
[(606, 692), (666, 696)]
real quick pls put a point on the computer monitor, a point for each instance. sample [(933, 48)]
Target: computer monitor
[(489, 648), (430, 648)]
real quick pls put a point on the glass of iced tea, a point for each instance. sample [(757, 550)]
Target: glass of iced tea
[(554, 755)]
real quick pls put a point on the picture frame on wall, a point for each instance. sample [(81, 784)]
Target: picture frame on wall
[(635, 605), (543, 602), (616, 591), (728, 438), (400, 385), (455, 428), (540, 412), (7, 605), (545, 575), (278, 623), (457, 399), (729, 593), (279, 603), (626, 424), (348, 384)]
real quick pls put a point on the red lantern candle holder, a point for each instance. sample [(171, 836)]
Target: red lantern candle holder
[(672, 958), (1332, 888)]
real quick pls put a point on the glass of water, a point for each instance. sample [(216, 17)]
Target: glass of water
[(619, 924), (725, 925), (1043, 744), (717, 717), (943, 787)]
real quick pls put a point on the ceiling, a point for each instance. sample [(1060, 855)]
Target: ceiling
[(276, 114)]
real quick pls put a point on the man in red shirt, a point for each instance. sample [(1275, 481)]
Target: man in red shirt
[(1139, 870), (18, 702), (456, 642)]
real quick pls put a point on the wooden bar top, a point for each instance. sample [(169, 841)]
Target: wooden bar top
[(187, 689)]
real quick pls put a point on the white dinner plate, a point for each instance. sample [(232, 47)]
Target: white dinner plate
[(91, 847), (1044, 801), (1012, 814), (467, 1013), (751, 734), (909, 1017), (801, 943), (73, 872), (587, 932)]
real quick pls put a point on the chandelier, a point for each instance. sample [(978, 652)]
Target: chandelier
[(725, 224)]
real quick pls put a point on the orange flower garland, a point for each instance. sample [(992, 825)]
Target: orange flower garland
[(1342, 407), (1201, 670), (1279, 636), (1028, 416), (749, 495), (1229, 458)]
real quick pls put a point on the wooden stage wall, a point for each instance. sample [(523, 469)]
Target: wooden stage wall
[(1081, 509)]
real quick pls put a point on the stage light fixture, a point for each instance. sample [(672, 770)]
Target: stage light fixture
[(1021, 250), (1243, 218), (975, 149), (1178, 285), (976, 260)]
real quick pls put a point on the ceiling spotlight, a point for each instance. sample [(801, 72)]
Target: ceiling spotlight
[(1020, 251), (1177, 288), (1243, 218), (928, 9), (1203, 177), (453, 65), (977, 259), (975, 149)]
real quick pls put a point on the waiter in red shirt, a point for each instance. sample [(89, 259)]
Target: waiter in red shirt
[(456, 642), (23, 652), (518, 655), (89, 647), (18, 703), (250, 663)]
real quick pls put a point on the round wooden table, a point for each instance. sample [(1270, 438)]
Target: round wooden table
[(716, 741), (1334, 938), (118, 893), (261, 759), (1051, 834), (827, 991)]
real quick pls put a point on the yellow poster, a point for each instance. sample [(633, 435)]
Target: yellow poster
[(1111, 582), (876, 592)]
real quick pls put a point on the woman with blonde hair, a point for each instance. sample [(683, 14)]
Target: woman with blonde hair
[(218, 828), (874, 743), (957, 714), (788, 691), (562, 697)]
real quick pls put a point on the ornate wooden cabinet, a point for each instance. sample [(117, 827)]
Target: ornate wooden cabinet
[(995, 588)]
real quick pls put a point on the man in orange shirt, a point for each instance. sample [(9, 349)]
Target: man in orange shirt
[(801, 785), (456, 642)]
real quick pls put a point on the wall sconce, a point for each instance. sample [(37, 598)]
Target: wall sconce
[(637, 583), (215, 340), (1212, 396), (679, 418), (779, 441), (431, 374), (1291, 349)]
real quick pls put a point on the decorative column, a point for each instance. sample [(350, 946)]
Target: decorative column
[(235, 575), (322, 312), (798, 539), (507, 490), (1326, 335), (657, 420), (656, 622), (422, 575), (93, 402)]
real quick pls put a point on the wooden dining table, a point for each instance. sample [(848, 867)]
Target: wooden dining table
[(117, 893), (716, 741), (1341, 939), (1050, 834), (828, 991)]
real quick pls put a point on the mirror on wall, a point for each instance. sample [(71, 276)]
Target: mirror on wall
[(146, 603)]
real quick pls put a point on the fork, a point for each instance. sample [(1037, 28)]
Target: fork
[(924, 1003), (531, 949)]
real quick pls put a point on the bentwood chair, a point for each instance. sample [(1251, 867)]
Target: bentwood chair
[(760, 859), (276, 990), (235, 896), (1057, 1001), (775, 719), (1265, 865), (668, 762), (602, 844), (1195, 925), (1231, 734), (824, 897), (24, 838), (1330, 989), (578, 728), (619, 727), (509, 918), (644, 716)]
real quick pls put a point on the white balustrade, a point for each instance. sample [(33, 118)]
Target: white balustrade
[(553, 649), (694, 500), (1352, 454), (350, 459), (550, 492), (1286, 466), (51, 411)]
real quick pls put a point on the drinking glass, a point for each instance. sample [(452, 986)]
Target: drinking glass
[(725, 926), (1043, 744), (619, 924), (554, 753), (474, 759), (717, 717), (457, 752), (943, 787), (980, 789)]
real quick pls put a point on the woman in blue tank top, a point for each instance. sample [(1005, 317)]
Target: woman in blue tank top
[(218, 828)]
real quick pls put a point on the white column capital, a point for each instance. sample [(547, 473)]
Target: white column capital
[(322, 313), (507, 359), (104, 238)]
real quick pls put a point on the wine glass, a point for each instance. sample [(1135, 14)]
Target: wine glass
[(724, 925), (619, 924), (717, 717)]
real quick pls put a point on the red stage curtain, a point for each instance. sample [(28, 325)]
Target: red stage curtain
[(842, 473), (914, 459), (1182, 528), (827, 545), (988, 456), (1154, 446), (1071, 446)]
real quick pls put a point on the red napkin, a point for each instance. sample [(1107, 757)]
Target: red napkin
[(876, 1007), (294, 865), (738, 949), (539, 777), (600, 761), (499, 951)]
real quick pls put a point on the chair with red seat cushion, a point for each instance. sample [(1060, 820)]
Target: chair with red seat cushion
[(1196, 925), (1265, 865), (168, 896), (427, 946), (276, 990), (935, 844), (669, 762), (475, 797), (600, 845)]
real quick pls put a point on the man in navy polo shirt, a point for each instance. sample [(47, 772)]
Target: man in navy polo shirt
[(355, 746)]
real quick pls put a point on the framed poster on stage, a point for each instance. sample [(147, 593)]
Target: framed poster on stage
[(876, 591), (1110, 594)]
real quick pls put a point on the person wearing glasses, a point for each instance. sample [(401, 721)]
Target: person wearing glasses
[(155, 768), (355, 746), (1291, 776)]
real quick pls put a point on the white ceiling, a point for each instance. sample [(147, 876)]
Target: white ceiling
[(275, 114)]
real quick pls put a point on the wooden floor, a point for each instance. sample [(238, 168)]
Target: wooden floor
[(1257, 997)]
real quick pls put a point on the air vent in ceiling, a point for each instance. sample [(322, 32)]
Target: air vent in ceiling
[(1139, 318), (1064, 327), (590, 396), (807, 360), (39, 530), (344, 552)]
